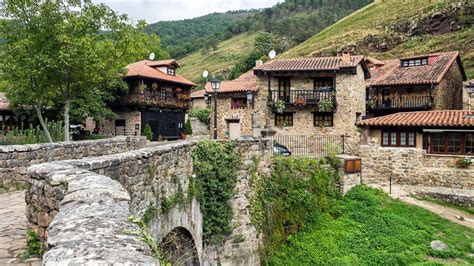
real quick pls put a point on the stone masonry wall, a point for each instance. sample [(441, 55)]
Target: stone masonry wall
[(448, 94), (131, 117), (412, 166), (199, 128), (14, 159)]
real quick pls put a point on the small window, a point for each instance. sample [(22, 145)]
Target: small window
[(323, 84), (171, 71), (120, 122), (437, 143), (469, 143), (323, 120), (238, 103), (284, 120), (395, 138), (414, 62), (454, 143)]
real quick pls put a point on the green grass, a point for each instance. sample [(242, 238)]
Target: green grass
[(366, 227), (375, 19), (220, 61)]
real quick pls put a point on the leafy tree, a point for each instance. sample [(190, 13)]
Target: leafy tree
[(76, 57), (147, 132)]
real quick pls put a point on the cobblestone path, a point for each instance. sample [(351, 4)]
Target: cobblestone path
[(13, 229)]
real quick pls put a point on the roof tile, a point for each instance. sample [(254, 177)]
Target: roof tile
[(144, 69), (310, 64)]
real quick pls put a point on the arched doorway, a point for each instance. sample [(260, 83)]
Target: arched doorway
[(178, 248)]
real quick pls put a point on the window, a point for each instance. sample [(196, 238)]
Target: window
[(323, 83), (284, 87), (415, 62), (171, 71), (452, 143), (238, 103), (396, 138), (323, 120), (284, 120)]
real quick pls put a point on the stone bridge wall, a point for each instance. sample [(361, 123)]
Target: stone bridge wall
[(14, 159), (412, 166)]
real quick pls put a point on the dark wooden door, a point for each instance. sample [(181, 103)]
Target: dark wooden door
[(168, 125)]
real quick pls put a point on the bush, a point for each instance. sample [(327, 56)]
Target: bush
[(215, 166), (147, 132), (203, 114), (31, 135), (188, 130), (34, 248)]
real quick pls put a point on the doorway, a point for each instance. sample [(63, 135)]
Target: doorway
[(234, 129)]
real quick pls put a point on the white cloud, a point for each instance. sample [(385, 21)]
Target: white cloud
[(159, 10)]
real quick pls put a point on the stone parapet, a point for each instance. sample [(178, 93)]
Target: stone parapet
[(14, 159)]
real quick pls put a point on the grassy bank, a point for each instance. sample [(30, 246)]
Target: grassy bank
[(366, 227)]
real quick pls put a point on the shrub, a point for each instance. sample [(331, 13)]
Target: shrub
[(34, 248), (188, 130), (203, 114), (30, 135), (215, 166), (147, 132)]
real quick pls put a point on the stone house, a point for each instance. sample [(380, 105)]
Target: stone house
[(468, 94), (417, 83), (197, 99), (156, 96), (312, 96), (430, 148)]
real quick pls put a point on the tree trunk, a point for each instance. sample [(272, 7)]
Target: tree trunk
[(66, 120), (43, 124)]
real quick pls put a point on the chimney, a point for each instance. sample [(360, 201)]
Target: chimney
[(346, 57), (258, 63)]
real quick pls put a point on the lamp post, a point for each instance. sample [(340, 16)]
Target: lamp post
[(215, 84), (207, 99), (249, 98)]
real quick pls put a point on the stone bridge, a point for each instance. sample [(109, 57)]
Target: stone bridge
[(81, 208)]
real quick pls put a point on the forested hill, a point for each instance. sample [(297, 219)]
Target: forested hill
[(278, 28), (388, 29), (182, 37)]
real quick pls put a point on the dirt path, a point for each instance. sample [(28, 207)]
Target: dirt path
[(402, 193), (13, 229)]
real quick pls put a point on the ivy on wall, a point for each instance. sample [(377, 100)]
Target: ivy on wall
[(215, 167), (296, 193)]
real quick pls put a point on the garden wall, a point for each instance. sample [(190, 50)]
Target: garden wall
[(14, 159), (412, 166)]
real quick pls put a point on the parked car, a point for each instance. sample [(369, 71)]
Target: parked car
[(280, 149)]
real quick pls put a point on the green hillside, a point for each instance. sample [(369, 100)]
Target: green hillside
[(389, 28), (220, 61)]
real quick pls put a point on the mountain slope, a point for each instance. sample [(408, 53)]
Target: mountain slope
[(388, 28), (220, 61), (182, 37)]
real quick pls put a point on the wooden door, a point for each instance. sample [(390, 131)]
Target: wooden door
[(234, 129)]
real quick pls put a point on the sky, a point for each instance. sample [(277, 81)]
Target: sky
[(164, 10)]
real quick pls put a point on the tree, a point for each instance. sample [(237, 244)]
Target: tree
[(188, 130), (80, 50), (147, 132)]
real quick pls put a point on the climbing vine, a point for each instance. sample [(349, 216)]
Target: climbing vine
[(296, 193), (215, 166)]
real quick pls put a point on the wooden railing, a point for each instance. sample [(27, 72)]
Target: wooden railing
[(401, 102), (303, 97), (180, 102)]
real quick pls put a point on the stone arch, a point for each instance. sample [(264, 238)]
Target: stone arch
[(178, 247)]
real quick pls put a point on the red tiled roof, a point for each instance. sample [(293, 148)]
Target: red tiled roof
[(310, 64), (441, 118), (4, 103), (198, 94), (229, 86), (166, 62), (144, 69), (392, 73), (247, 76)]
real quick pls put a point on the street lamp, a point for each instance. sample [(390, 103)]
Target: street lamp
[(215, 84)]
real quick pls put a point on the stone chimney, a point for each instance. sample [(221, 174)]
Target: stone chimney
[(258, 63), (346, 57)]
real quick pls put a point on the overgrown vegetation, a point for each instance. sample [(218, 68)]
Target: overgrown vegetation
[(203, 114), (146, 237), (188, 130), (367, 227), (215, 166), (31, 135), (34, 248), (294, 196)]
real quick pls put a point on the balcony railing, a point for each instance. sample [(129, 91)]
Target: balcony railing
[(181, 101), (401, 102), (305, 97)]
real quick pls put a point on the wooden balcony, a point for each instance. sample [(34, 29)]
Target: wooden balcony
[(156, 100), (401, 103), (319, 99)]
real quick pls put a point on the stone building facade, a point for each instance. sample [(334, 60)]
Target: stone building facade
[(418, 83), (468, 95)]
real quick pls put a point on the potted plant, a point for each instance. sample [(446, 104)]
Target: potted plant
[(463, 162), (326, 105), (279, 106)]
